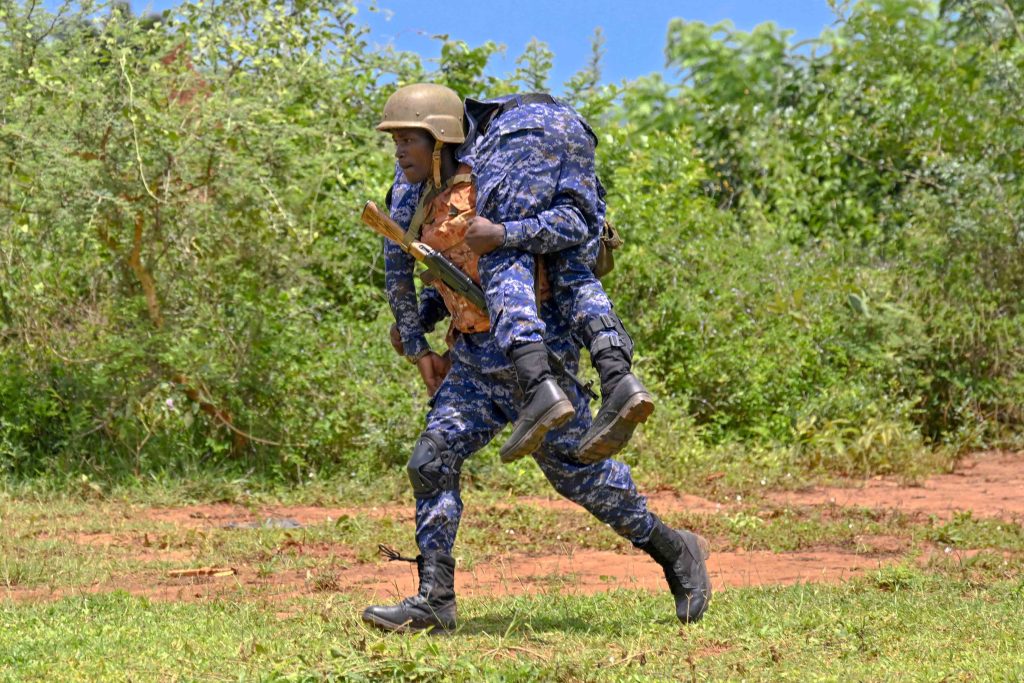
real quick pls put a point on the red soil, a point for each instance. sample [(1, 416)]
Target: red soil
[(989, 485)]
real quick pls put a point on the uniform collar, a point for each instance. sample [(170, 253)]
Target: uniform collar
[(477, 111)]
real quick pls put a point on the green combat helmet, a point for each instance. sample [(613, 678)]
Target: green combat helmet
[(434, 108)]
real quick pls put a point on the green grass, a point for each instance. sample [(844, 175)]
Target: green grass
[(898, 623), (665, 454), (954, 617)]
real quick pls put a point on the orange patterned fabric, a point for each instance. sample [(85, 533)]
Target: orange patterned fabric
[(445, 230)]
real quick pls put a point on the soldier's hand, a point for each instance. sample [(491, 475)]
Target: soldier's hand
[(396, 340), (483, 236), (432, 369)]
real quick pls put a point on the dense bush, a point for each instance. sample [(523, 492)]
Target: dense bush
[(891, 164), (825, 243)]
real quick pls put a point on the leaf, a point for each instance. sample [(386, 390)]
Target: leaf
[(858, 304)]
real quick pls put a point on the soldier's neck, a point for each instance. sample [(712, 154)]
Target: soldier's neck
[(449, 166)]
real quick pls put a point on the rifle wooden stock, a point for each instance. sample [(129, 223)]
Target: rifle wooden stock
[(382, 224)]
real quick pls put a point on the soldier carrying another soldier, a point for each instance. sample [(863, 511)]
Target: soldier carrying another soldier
[(483, 389), (531, 154)]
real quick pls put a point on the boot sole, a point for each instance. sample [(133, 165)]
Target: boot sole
[(556, 416), (613, 438), (407, 627)]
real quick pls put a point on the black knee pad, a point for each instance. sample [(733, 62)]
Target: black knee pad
[(611, 323), (432, 468)]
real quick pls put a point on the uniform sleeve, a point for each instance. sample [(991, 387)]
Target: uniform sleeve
[(398, 279), (535, 175), (432, 308), (398, 275), (555, 229)]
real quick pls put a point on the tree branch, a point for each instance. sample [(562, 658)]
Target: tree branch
[(144, 277), (207, 406), (1013, 20), (135, 132), (5, 308)]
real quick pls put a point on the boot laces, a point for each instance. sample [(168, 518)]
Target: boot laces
[(395, 556), (392, 554)]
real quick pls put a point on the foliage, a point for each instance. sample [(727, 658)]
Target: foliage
[(869, 276), (533, 67), (182, 248), (824, 243), (462, 68)]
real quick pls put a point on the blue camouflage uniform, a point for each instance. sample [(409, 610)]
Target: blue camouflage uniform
[(534, 159), (480, 396)]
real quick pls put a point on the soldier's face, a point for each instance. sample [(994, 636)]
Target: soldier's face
[(414, 150)]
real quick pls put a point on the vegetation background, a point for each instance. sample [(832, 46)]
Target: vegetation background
[(823, 269), (823, 272)]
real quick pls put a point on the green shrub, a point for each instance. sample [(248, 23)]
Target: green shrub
[(824, 255)]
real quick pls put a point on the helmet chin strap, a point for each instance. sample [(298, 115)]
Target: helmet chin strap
[(437, 163)]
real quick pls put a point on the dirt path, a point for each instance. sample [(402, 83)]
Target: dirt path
[(599, 571), (205, 516), (989, 485), (582, 572)]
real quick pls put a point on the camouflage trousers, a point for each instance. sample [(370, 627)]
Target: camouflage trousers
[(508, 279), (471, 408), (543, 166)]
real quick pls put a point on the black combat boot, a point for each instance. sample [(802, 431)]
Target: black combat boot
[(681, 554), (545, 406), (625, 402), (432, 608)]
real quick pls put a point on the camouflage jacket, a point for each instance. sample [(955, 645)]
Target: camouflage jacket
[(535, 158)]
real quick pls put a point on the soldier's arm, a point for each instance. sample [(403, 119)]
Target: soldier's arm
[(544, 207), (432, 311), (554, 229), (398, 279), (543, 188), (432, 308), (398, 274)]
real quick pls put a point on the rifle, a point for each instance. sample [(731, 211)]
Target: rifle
[(442, 268), (451, 275)]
